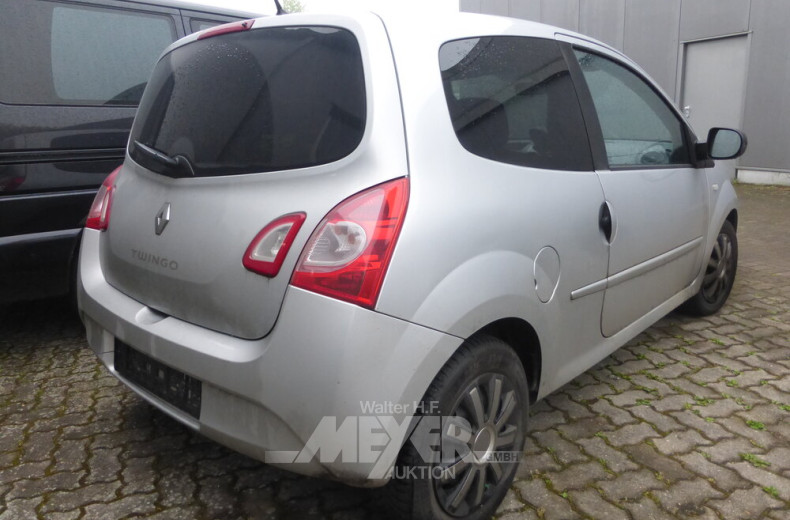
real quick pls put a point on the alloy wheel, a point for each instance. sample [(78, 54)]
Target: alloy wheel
[(480, 436), (718, 271)]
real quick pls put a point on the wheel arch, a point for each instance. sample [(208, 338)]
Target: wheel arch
[(524, 340), (724, 209), (732, 217)]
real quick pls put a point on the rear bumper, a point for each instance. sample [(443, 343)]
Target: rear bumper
[(283, 397)]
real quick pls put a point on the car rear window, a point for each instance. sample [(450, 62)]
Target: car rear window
[(253, 101)]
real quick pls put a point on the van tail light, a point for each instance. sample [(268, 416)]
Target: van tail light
[(349, 252), (267, 251), (99, 214)]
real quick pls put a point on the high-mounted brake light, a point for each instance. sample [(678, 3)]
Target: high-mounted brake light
[(349, 252), (99, 214), (227, 28), (267, 251)]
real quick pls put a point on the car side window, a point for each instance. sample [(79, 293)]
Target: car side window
[(511, 99), (639, 129), (58, 53)]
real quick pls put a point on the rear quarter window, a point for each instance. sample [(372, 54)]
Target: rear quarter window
[(254, 101), (511, 99)]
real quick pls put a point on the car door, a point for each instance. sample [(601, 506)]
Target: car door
[(655, 210)]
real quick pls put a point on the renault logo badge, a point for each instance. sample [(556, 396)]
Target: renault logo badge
[(162, 218)]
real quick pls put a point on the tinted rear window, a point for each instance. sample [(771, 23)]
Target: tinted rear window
[(254, 101), (511, 99)]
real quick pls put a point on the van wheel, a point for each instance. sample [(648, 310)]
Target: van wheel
[(719, 275), (480, 398)]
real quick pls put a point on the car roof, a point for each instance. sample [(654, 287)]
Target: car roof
[(439, 27), (411, 32)]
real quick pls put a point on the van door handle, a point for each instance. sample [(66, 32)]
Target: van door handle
[(605, 221)]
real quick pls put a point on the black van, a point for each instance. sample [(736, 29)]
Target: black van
[(71, 76)]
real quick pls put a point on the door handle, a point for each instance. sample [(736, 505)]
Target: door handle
[(605, 221)]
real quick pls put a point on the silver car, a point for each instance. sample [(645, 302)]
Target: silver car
[(360, 246)]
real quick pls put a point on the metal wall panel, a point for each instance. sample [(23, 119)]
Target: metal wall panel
[(500, 7), (469, 6), (711, 18), (714, 82), (651, 38), (603, 20), (525, 9), (767, 110), (562, 13)]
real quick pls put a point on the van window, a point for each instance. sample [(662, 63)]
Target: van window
[(511, 99), (253, 101), (65, 54)]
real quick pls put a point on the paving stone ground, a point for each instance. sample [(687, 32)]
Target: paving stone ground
[(690, 420)]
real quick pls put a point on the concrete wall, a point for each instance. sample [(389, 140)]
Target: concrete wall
[(654, 34)]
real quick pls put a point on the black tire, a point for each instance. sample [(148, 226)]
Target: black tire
[(719, 275), (74, 263), (485, 374)]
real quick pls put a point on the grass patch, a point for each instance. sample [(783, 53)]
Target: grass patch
[(771, 491), (754, 460), (653, 377), (621, 375), (742, 402), (647, 389), (755, 425)]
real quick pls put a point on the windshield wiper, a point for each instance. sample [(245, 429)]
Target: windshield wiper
[(179, 162)]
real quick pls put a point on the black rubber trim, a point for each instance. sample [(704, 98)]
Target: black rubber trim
[(50, 156)]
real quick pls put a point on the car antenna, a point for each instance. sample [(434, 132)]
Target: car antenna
[(280, 9)]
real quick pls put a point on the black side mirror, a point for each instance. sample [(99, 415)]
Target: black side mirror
[(725, 143)]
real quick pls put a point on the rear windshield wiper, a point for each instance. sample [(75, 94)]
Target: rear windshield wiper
[(179, 162)]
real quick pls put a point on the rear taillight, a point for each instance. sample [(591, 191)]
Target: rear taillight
[(99, 214), (226, 28), (349, 252), (266, 253)]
